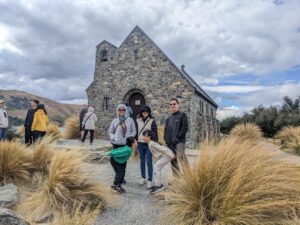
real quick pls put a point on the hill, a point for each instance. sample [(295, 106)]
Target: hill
[(18, 102)]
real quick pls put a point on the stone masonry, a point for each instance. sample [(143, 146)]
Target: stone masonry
[(140, 66)]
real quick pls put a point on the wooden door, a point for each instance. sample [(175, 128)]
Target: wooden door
[(136, 101)]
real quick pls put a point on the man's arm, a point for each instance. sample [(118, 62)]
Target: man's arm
[(184, 128)]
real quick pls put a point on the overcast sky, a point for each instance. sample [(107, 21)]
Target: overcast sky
[(243, 53)]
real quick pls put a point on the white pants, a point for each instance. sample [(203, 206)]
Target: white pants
[(159, 164)]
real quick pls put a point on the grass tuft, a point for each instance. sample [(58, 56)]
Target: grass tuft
[(53, 131), (235, 182), (72, 129), (246, 131), (78, 215), (15, 163), (70, 179), (290, 136)]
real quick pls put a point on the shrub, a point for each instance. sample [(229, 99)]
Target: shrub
[(246, 131), (53, 131), (15, 163), (161, 132), (78, 216), (72, 129), (69, 180), (235, 182), (291, 136), (42, 153)]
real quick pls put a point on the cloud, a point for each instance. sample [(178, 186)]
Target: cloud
[(233, 88), (55, 40)]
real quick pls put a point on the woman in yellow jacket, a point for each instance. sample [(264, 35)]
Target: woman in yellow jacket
[(40, 121)]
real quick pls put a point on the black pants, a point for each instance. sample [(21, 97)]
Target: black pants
[(91, 135), (28, 136), (37, 135), (119, 169)]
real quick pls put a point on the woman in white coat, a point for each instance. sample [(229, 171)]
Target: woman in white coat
[(88, 124)]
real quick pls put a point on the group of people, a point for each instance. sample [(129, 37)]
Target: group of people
[(126, 137), (35, 123)]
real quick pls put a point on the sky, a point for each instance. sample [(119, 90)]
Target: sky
[(242, 53)]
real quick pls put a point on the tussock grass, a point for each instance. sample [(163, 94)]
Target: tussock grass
[(53, 131), (234, 182), (290, 136), (21, 131), (72, 129), (246, 131), (160, 133), (15, 163), (78, 216), (42, 153), (69, 180)]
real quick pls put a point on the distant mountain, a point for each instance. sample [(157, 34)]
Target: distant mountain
[(18, 102)]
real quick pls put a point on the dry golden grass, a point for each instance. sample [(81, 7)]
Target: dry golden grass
[(21, 131), (246, 131), (236, 183), (69, 180), (72, 129), (160, 132), (53, 131), (15, 163), (290, 136), (78, 216), (41, 154)]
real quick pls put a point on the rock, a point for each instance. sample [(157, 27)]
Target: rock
[(8, 217), (97, 156), (9, 195)]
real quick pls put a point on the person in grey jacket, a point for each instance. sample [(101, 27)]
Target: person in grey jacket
[(3, 121), (121, 127), (88, 124)]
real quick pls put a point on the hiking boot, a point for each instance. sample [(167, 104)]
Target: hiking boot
[(124, 181), (149, 184), (156, 189), (142, 182), (117, 189)]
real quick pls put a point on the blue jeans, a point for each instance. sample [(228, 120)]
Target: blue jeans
[(2, 134), (145, 155)]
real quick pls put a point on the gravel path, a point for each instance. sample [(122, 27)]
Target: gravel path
[(137, 206)]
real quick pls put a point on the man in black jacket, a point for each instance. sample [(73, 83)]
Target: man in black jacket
[(28, 122), (175, 131), (81, 116)]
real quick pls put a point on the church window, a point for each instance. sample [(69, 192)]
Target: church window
[(103, 56), (207, 109), (105, 103), (135, 54)]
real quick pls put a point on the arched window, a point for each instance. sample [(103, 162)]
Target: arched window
[(103, 56)]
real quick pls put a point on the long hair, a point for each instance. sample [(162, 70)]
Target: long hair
[(41, 106)]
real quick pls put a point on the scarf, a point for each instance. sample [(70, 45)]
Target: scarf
[(122, 124)]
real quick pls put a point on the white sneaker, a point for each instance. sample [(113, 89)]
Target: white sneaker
[(149, 184), (142, 182)]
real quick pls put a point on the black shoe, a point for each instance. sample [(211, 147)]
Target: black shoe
[(122, 189), (124, 181), (156, 189), (117, 188)]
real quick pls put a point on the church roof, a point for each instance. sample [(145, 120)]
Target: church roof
[(198, 90)]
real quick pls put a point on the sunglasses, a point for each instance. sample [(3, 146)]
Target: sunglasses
[(121, 110), (172, 104), (145, 111)]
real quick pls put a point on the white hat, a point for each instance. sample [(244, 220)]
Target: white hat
[(1, 101)]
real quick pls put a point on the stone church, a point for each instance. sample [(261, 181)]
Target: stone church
[(138, 72)]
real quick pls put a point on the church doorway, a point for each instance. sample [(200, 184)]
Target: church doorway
[(136, 101)]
